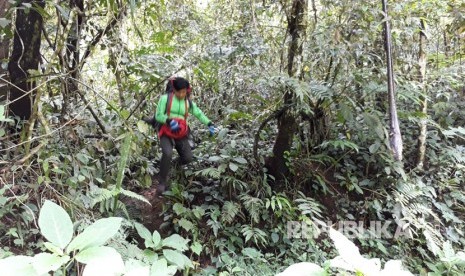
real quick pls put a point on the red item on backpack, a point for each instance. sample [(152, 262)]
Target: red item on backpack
[(181, 133)]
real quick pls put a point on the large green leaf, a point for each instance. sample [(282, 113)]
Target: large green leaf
[(177, 242), (240, 160), (303, 268), (186, 224), (98, 254), (125, 149), (96, 234), (53, 248), (46, 262), (177, 258), (103, 268), (233, 166), (156, 238), (215, 158), (135, 267), (161, 268), (149, 255), (145, 234), (196, 247), (17, 265), (101, 260), (55, 224), (2, 111), (3, 23), (347, 249)]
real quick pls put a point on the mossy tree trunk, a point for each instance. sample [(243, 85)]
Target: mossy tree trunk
[(25, 57), (395, 137), (71, 60), (4, 54), (296, 30), (424, 98)]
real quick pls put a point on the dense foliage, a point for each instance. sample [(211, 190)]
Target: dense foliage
[(85, 158)]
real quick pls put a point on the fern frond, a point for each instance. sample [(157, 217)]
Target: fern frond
[(258, 236), (406, 192), (101, 194), (120, 209), (134, 196), (229, 211), (415, 199), (309, 206), (320, 91), (447, 213), (320, 158), (433, 239), (237, 184), (342, 144), (125, 149), (127, 250), (209, 172), (254, 206)]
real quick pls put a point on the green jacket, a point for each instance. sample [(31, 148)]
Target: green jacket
[(178, 109)]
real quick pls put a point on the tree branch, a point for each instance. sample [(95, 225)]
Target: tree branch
[(25, 158), (100, 34), (102, 127), (150, 90)]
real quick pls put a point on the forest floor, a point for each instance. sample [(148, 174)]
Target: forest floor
[(150, 215)]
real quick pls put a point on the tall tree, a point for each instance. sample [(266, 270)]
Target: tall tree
[(424, 98), (71, 59), (4, 52), (296, 29), (25, 56), (395, 137)]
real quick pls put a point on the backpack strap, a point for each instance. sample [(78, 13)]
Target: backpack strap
[(169, 101), (187, 106), (170, 91), (187, 100)]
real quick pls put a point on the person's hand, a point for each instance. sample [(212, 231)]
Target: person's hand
[(149, 120), (174, 126), (212, 129)]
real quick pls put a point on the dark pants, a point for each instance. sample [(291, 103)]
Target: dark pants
[(182, 147)]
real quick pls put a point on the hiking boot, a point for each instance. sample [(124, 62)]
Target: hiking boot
[(161, 188)]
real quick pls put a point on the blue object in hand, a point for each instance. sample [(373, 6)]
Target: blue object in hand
[(174, 126), (212, 130)]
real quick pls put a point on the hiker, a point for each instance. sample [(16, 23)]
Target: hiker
[(171, 115)]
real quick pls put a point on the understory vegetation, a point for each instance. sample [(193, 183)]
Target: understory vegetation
[(74, 176)]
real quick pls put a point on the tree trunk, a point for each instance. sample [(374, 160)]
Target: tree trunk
[(315, 17), (72, 60), (24, 57), (297, 24), (447, 48), (4, 53), (395, 137), (424, 98), (113, 62)]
